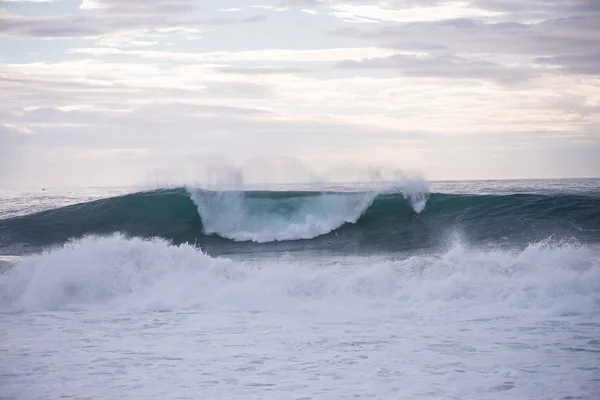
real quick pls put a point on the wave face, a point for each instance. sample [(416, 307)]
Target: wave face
[(388, 220), (134, 274)]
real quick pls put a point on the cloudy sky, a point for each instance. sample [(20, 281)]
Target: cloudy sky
[(118, 92)]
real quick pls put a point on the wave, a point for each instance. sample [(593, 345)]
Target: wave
[(392, 219), (120, 273)]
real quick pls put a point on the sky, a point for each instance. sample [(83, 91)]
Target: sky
[(114, 92)]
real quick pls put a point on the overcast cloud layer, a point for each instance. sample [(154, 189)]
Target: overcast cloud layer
[(112, 92)]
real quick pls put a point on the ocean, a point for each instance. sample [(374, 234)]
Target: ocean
[(396, 290)]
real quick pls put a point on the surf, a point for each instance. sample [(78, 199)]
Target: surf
[(118, 273)]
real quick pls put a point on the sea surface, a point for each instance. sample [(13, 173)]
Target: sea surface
[(396, 290)]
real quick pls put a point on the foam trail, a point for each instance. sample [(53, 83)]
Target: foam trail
[(234, 215), (119, 273)]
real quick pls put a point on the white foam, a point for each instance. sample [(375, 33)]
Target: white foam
[(235, 216), (119, 273)]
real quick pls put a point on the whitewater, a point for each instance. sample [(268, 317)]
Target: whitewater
[(238, 216), (455, 291)]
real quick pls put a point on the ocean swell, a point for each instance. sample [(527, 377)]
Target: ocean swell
[(392, 219)]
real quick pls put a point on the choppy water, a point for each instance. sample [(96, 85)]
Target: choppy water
[(503, 303)]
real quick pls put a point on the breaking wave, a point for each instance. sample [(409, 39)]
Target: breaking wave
[(120, 273), (276, 216)]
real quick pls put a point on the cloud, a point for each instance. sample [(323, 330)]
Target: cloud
[(506, 9), (128, 24), (266, 55), (142, 6), (424, 12), (427, 95), (585, 64), (262, 70), (12, 25), (474, 36), (444, 66), (568, 43), (27, 1)]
